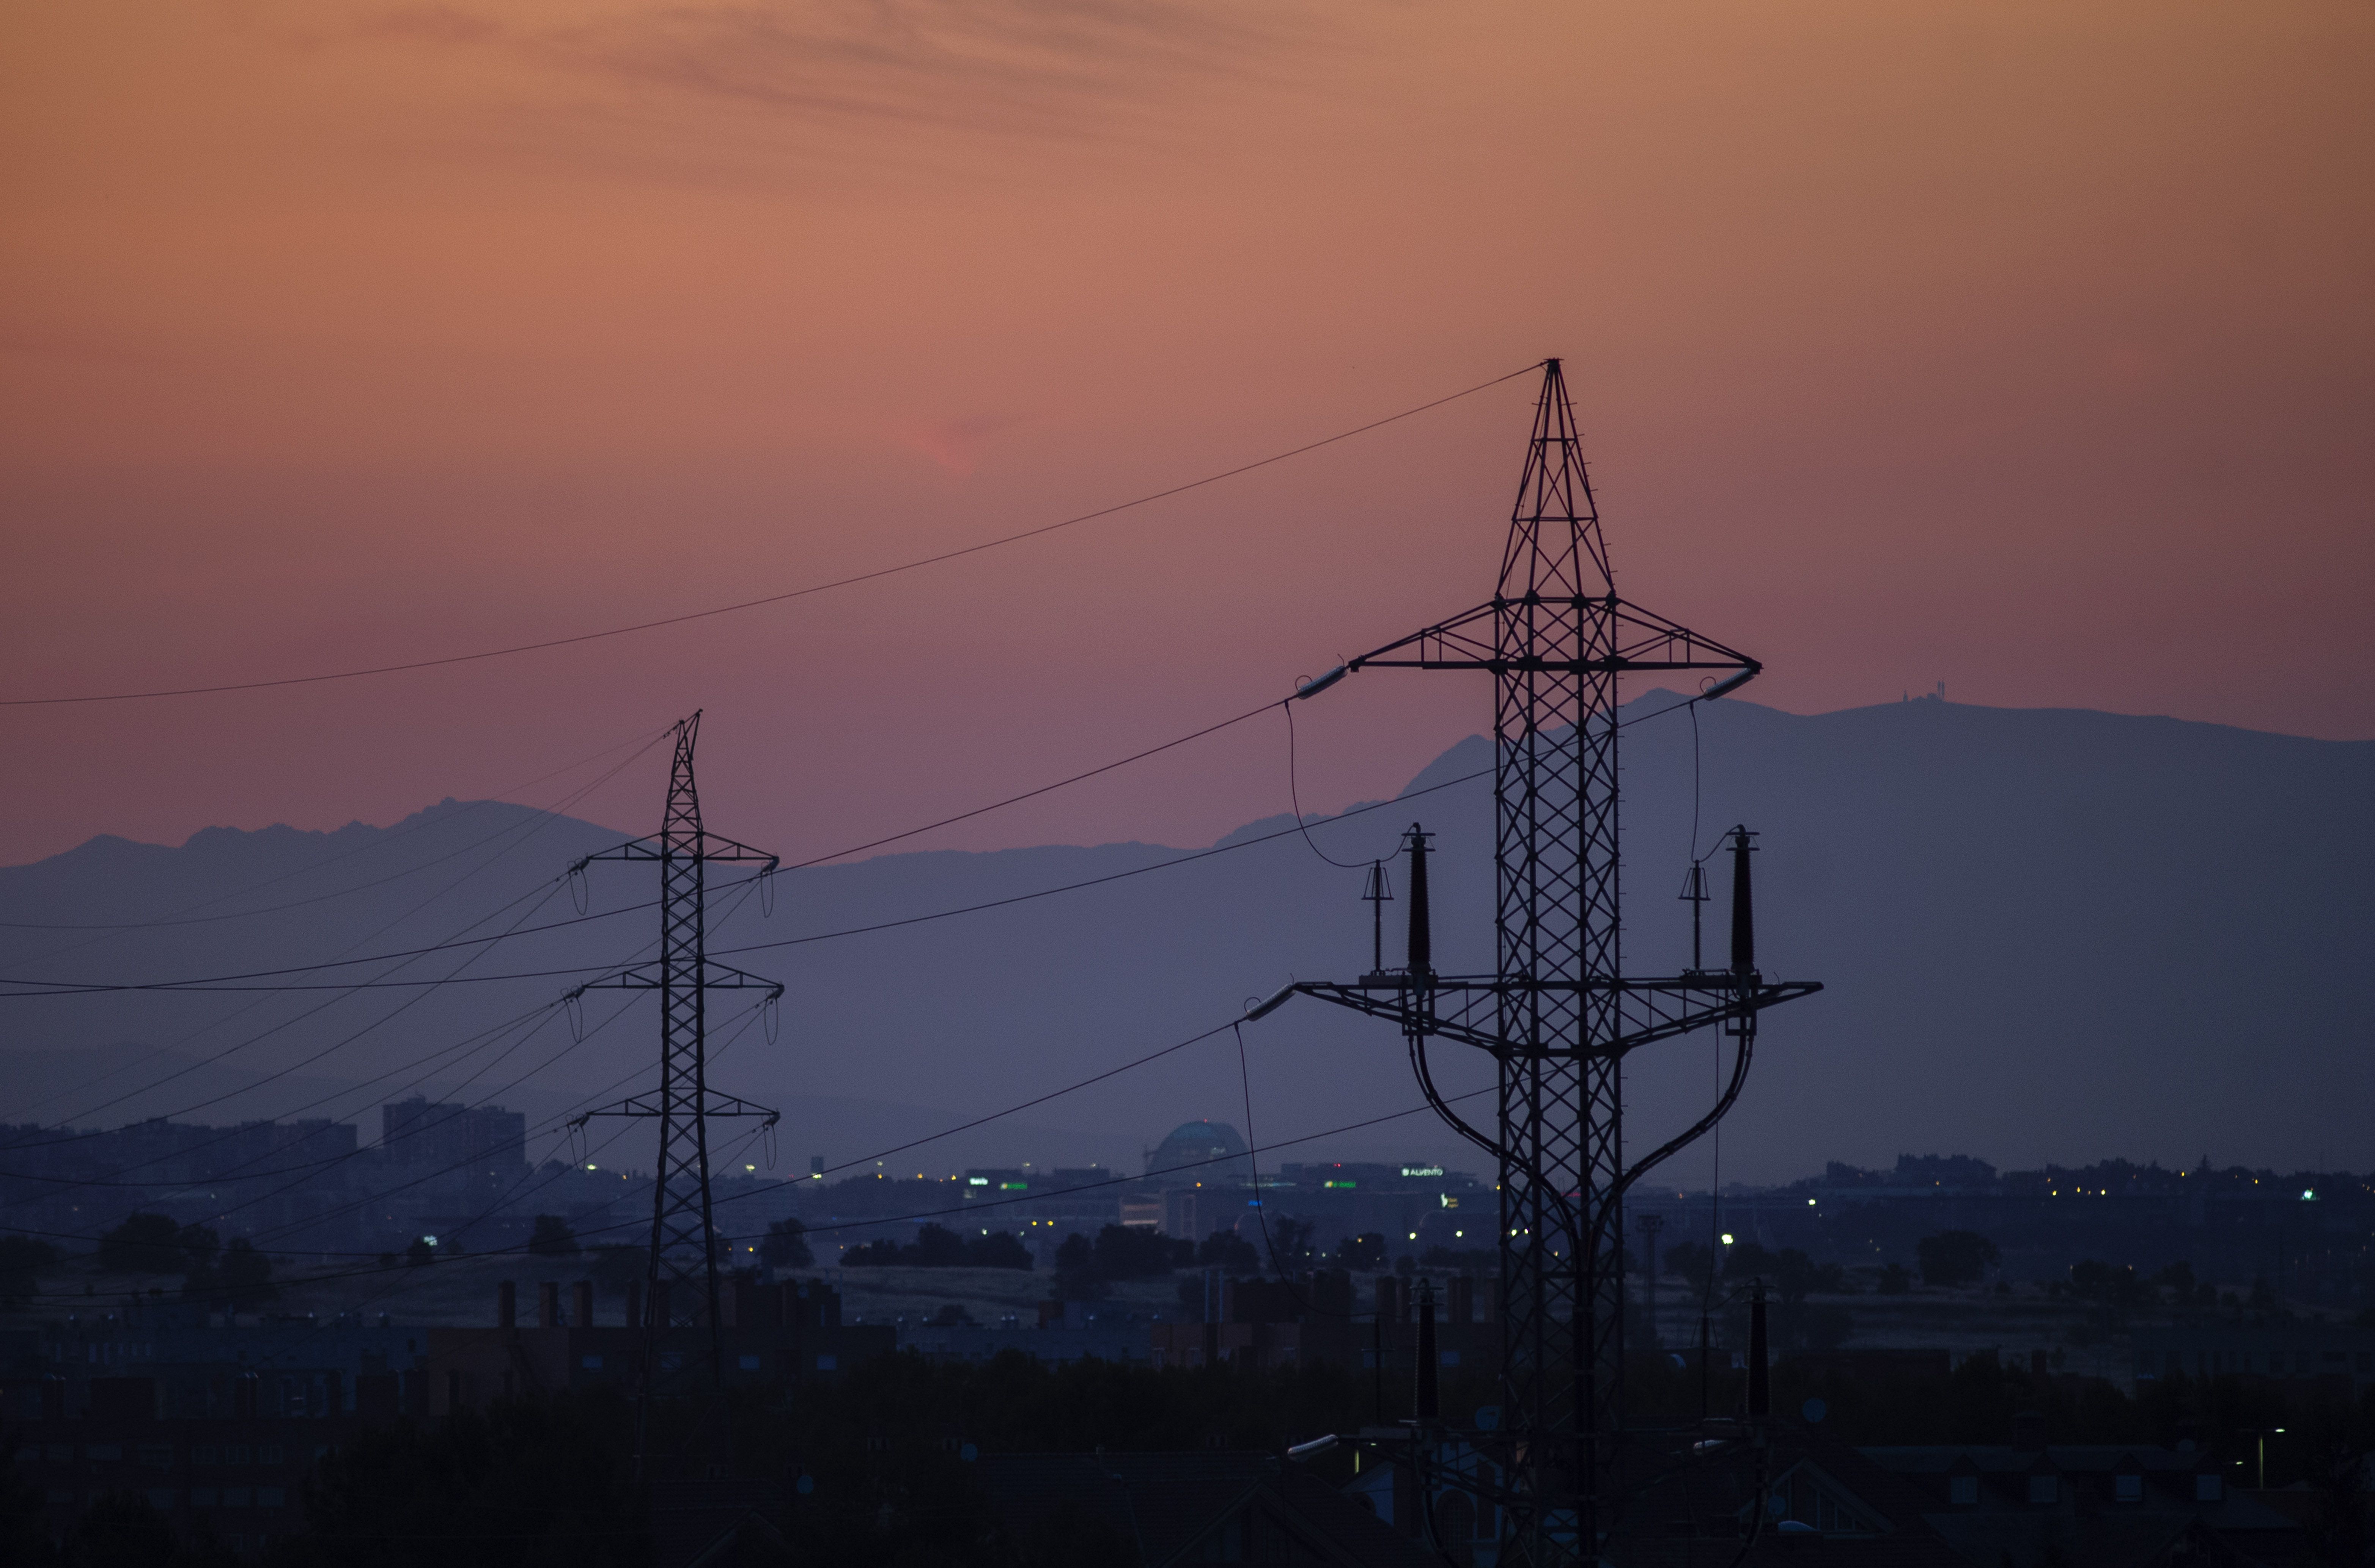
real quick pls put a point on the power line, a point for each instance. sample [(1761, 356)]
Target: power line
[(771, 598), (462, 1048), (1043, 789), (336, 1045), (980, 1205), (71, 987), (218, 982), (881, 1154), (77, 987), (74, 987), (544, 818), (387, 837), (787, 942), (974, 1207), (385, 1195)]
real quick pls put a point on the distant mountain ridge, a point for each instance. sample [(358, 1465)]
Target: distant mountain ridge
[(2046, 935)]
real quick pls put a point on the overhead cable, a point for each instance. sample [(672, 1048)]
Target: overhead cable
[(852, 580)]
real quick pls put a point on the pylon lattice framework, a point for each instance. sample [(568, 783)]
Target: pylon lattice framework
[(1556, 637), (681, 1275)]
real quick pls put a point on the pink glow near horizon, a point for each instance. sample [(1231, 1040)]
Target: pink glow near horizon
[(2022, 347)]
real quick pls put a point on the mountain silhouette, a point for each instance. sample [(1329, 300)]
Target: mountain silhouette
[(2045, 935)]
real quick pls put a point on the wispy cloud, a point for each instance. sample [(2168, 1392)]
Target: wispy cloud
[(1063, 68)]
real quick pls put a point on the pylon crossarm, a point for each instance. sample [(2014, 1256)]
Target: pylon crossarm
[(1396, 1002), (714, 977), (655, 846), (714, 1106), (721, 977), (1744, 1003), (1393, 1006), (1654, 1004), (1642, 639)]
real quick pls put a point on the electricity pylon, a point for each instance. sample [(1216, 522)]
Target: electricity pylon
[(1559, 1015), (681, 1275)]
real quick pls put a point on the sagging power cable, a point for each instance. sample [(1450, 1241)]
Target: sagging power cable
[(914, 565)]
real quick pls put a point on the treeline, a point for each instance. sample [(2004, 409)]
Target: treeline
[(877, 1470), (236, 1275), (937, 1246), (1086, 1268), (22, 1262)]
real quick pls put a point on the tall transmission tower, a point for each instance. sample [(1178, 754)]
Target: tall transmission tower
[(1559, 1015), (681, 1275)]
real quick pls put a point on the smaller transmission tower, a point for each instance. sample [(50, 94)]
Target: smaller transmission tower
[(681, 1277)]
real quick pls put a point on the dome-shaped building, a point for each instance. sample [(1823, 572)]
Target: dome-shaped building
[(1192, 1144)]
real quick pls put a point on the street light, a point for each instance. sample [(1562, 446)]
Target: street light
[(2259, 1438)]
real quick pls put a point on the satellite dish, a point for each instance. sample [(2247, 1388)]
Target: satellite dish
[(1813, 1411)]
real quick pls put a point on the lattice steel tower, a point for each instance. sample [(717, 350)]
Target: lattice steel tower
[(681, 1275), (1559, 1015)]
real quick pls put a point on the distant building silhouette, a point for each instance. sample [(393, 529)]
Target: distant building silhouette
[(1191, 1143), (458, 1141)]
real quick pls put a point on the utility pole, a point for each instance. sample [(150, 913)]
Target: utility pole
[(1649, 1225), (680, 1274), (1559, 1015)]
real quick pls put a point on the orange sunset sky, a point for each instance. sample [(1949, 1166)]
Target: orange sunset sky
[(2027, 346)]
